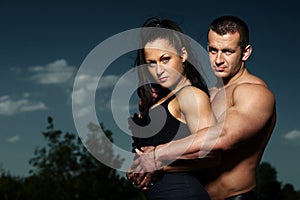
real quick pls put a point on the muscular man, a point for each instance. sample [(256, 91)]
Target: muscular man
[(244, 126)]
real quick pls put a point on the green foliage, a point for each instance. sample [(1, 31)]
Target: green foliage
[(64, 169), (268, 188), (10, 187), (288, 193)]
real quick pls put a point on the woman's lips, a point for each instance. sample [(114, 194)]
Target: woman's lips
[(162, 79)]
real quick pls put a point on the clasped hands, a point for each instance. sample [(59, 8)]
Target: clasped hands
[(144, 168)]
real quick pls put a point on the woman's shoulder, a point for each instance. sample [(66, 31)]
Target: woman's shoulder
[(191, 92), (189, 97)]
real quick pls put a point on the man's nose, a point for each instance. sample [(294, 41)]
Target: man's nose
[(219, 58)]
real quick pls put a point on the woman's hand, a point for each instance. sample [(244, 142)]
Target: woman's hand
[(144, 170)]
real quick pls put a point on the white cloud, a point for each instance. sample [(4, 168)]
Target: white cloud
[(13, 139), (292, 135), (87, 86), (8, 106), (32, 106), (82, 112), (104, 105), (79, 96), (56, 72), (26, 95), (108, 81)]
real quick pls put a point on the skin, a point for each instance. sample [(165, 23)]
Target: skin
[(191, 105), (167, 68), (243, 126)]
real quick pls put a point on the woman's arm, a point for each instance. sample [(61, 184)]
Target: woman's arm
[(195, 107)]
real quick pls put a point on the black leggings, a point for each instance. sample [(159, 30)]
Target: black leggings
[(174, 186)]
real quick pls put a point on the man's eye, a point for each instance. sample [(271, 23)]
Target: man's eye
[(213, 51), (228, 52)]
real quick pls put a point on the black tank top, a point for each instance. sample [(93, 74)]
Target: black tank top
[(182, 185), (163, 127)]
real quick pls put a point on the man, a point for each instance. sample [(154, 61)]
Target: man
[(244, 126)]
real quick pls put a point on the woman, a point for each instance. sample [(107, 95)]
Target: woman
[(174, 99)]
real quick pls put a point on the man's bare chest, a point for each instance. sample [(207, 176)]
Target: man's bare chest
[(221, 101)]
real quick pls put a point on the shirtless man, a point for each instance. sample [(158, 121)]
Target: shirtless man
[(243, 129)]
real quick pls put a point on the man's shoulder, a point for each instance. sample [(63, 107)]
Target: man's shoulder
[(253, 92), (251, 86), (252, 83)]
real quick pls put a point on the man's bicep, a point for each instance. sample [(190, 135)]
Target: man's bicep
[(254, 102), (249, 113)]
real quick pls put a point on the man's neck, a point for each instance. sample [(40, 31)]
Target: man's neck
[(236, 78)]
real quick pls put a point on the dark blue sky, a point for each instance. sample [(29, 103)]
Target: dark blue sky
[(43, 43)]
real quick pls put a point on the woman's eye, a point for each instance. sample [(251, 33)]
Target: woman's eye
[(152, 64), (165, 59)]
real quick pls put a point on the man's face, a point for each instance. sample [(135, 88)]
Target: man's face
[(225, 54)]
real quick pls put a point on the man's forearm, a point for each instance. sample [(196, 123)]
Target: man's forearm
[(185, 148), (195, 146), (183, 165)]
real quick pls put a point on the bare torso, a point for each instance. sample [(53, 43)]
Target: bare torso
[(247, 108), (236, 173)]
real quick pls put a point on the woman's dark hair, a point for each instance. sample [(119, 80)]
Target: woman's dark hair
[(154, 28)]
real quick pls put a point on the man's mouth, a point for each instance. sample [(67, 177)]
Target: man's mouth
[(219, 69)]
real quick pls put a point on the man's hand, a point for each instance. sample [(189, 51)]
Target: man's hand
[(143, 183), (144, 169), (146, 162)]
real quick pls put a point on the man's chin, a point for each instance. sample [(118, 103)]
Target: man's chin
[(220, 74)]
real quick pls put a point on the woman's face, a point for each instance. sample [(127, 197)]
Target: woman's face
[(164, 63)]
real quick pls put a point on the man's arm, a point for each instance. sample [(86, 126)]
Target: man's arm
[(193, 107), (189, 165), (251, 108)]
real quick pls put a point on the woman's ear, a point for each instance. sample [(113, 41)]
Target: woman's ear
[(184, 54), (247, 52)]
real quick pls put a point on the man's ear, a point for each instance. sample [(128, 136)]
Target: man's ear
[(247, 52), (184, 54)]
